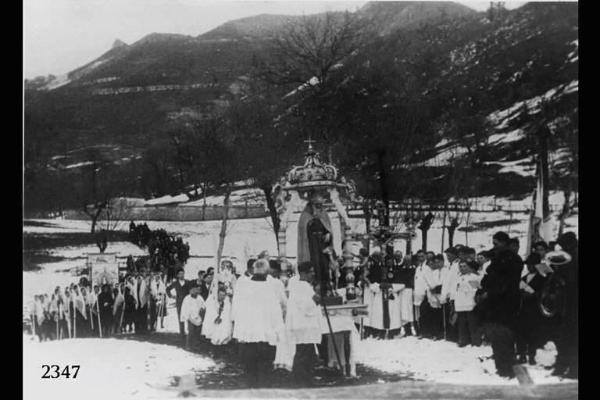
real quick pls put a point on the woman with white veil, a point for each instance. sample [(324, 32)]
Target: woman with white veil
[(218, 324)]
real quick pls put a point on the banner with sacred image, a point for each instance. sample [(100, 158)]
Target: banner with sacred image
[(104, 268)]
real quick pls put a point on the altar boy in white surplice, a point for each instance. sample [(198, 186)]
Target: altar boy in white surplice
[(303, 322)]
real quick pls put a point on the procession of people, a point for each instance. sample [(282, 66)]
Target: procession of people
[(273, 309)]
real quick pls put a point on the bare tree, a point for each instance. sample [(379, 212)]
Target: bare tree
[(207, 155), (98, 191), (312, 47)]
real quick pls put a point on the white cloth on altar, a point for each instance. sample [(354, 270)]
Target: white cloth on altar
[(340, 323), (257, 312), (375, 319)]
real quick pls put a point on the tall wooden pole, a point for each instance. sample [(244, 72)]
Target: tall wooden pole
[(98, 309), (337, 355), (122, 313), (74, 319), (544, 172), (444, 226)]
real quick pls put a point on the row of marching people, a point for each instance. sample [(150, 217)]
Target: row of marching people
[(83, 310)]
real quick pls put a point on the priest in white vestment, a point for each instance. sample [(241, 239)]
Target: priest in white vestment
[(258, 322)]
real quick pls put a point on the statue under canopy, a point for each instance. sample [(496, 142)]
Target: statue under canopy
[(315, 241)]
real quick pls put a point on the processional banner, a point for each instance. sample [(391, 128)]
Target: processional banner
[(104, 268)]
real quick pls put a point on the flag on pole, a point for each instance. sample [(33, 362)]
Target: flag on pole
[(541, 224)]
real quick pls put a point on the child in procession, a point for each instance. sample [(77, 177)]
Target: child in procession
[(192, 313), (463, 300), (530, 322)]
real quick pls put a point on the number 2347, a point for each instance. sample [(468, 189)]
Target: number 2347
[(54, 371)]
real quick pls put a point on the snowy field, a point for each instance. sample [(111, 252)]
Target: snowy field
[(138, 364), (444, 362), (109, 369)]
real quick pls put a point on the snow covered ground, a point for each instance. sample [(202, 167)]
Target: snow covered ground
[(109, 369), (138, 364), (445, 362)]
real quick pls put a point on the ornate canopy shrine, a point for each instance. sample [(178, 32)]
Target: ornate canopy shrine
[(299, 188)]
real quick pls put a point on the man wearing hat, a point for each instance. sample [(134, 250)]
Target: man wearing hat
[(501, 298), (567, 343)]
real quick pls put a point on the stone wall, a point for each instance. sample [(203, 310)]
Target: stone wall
[(180, 213)]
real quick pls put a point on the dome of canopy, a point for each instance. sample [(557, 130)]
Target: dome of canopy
[(313, 173)]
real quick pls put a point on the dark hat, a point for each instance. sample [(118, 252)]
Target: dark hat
[(275, 265), (473, 265), (567, 241), (439, 257), (451, 250), (533, 259), (501, 236)]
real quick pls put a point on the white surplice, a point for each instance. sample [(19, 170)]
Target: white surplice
[(376, 310)]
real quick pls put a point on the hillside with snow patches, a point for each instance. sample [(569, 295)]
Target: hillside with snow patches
[(118, 105)]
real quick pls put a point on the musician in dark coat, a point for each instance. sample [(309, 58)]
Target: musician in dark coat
[(501, 302), (182, 289), (207, 279), (567, 341), (530, 323)]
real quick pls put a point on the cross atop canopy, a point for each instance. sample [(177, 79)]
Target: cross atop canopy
[(310, 144)]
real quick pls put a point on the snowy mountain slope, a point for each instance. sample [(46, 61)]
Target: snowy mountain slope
[(527, 59)]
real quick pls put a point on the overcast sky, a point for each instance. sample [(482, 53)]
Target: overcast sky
[(61, 35)]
